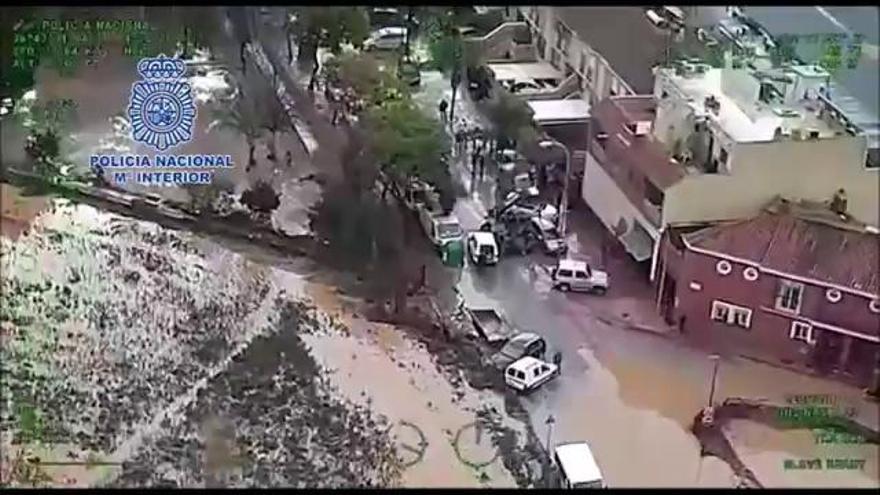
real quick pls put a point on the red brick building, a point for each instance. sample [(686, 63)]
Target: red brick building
[(793, 285)]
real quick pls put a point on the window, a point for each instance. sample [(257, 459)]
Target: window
[(565, 273), (874, 306), (720, 311), (537, 371), (873, 159), (833, 295), (801, 331), (723, 267), (582, 275), (789, 296), (731, 314), (742, 317), (750, 273)]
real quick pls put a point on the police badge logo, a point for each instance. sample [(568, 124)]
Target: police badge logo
[(161, 110)]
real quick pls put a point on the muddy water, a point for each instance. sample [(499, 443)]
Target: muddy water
[(18, 212), (376, 363)]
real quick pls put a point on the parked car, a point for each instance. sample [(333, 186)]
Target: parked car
[(520, 346), (385, 16), (482, 248), (529, 373), (551, 242), (578, 276), (576, 466), (386, 38)]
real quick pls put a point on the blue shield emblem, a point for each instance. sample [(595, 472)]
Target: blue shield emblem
[(161, 109)]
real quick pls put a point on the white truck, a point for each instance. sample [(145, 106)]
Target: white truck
[(576, 466), (482, 248), (578, 276)]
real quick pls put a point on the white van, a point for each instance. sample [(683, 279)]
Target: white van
[(387, 38), (577, 466), (529, 373)]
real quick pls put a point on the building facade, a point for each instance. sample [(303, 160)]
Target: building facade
[(719, 144), (791, 289), (559, 43)]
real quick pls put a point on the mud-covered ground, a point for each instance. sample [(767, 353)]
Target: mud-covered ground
[(177, 362)]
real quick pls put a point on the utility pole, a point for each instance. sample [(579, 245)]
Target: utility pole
[(715, 359), (549, 422)]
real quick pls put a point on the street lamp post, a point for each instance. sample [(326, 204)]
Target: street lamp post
[(549, 422), (563, 207), (715, 358)]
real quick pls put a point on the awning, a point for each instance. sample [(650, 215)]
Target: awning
[(570, 111), (524, 71), (638, 243)]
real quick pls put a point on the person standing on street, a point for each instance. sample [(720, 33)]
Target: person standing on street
[(481, 164), (443, 107)]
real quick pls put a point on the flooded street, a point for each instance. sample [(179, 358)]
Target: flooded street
[(633, 395), (148, 347)]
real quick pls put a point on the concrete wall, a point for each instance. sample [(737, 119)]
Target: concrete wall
[(811, 170), (598, 86), (611, 204)]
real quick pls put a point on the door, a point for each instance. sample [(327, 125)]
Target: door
[(535, 379), (667, 303), (581, 280)]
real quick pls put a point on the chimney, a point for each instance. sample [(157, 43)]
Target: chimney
[(838, 202)]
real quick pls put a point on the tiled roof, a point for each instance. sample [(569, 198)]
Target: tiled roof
[(782, 241), (642, 153)]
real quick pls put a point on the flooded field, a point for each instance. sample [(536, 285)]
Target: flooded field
[(176, 362)]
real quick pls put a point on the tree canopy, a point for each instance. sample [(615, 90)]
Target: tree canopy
[(405, 141), (327, 27), (511, 117)]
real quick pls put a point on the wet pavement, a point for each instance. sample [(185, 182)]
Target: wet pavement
[(631, 394)]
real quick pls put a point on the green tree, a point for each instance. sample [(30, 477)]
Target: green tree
[(406, 143), (832, 55), (511, 119), (362, 73), (447, 48), (326, 27)]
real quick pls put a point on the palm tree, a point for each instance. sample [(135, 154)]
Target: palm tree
[(245, 118)]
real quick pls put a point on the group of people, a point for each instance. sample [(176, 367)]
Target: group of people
[(471, 139), (343, 102)]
